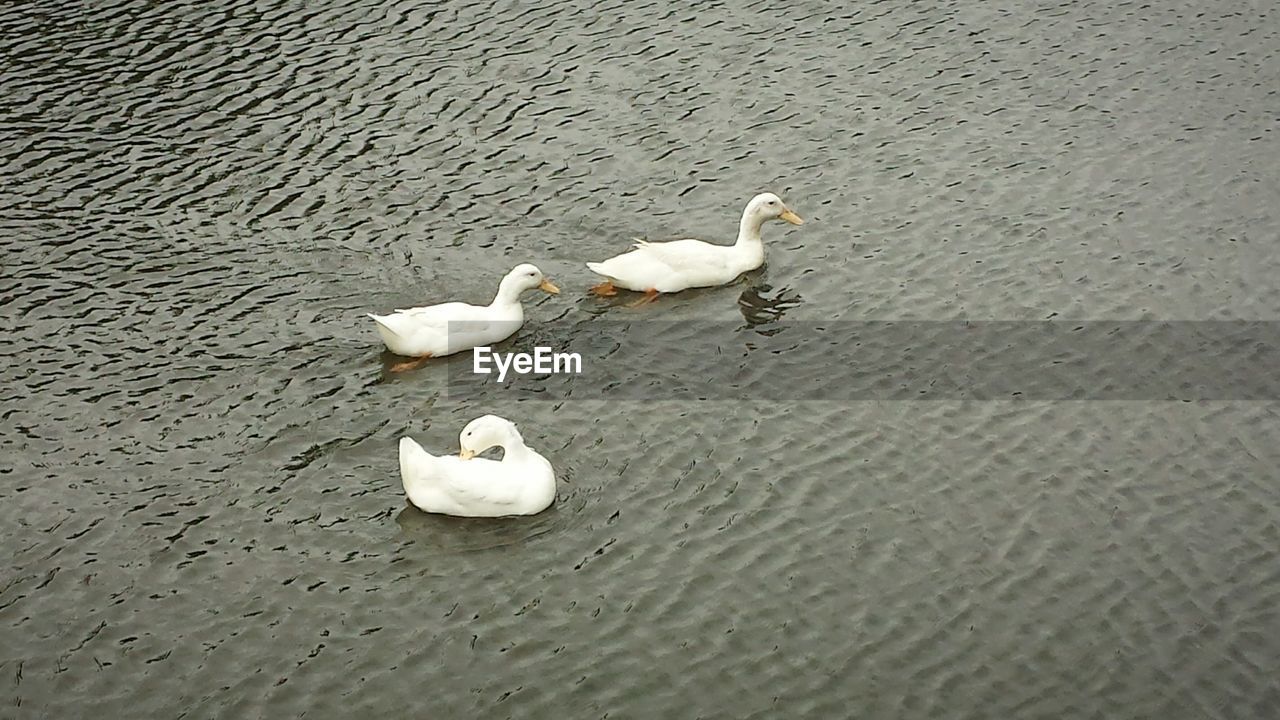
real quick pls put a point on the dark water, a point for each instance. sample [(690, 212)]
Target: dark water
[(200, 503)]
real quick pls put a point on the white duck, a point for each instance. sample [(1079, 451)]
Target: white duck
[(437, 330), (668, 267), (521, 483)]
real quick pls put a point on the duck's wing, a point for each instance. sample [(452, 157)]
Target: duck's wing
[(650, 261), (481, 484), (680, 253), (436, 320), (447, 483), (442, 313)]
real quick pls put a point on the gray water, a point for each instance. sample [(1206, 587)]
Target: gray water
[(200, 502)]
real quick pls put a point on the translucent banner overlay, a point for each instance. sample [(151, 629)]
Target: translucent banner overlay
[(902, 360)]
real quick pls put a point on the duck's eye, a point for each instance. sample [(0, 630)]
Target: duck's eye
[(773, 202)]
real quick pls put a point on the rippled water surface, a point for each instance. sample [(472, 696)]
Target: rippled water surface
[(200, 503)]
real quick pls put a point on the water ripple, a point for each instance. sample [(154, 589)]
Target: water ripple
[(200, 200)]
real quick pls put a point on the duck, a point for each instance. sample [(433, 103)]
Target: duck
[(438, 330), (667, 267), (521, 483)]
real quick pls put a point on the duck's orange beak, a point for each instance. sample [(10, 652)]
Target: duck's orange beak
[(791, 217), (548, 287), (466, 454)]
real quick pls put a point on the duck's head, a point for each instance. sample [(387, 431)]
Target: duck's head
[(767, 206), (485, 432), (526, 276)]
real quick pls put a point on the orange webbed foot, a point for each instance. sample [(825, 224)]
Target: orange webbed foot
[(649, 296), (409, 364), (604, 289)]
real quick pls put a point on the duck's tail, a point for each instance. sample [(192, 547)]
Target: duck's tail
[(396, 332), (385, 322), (410, 451), (412, 460)]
